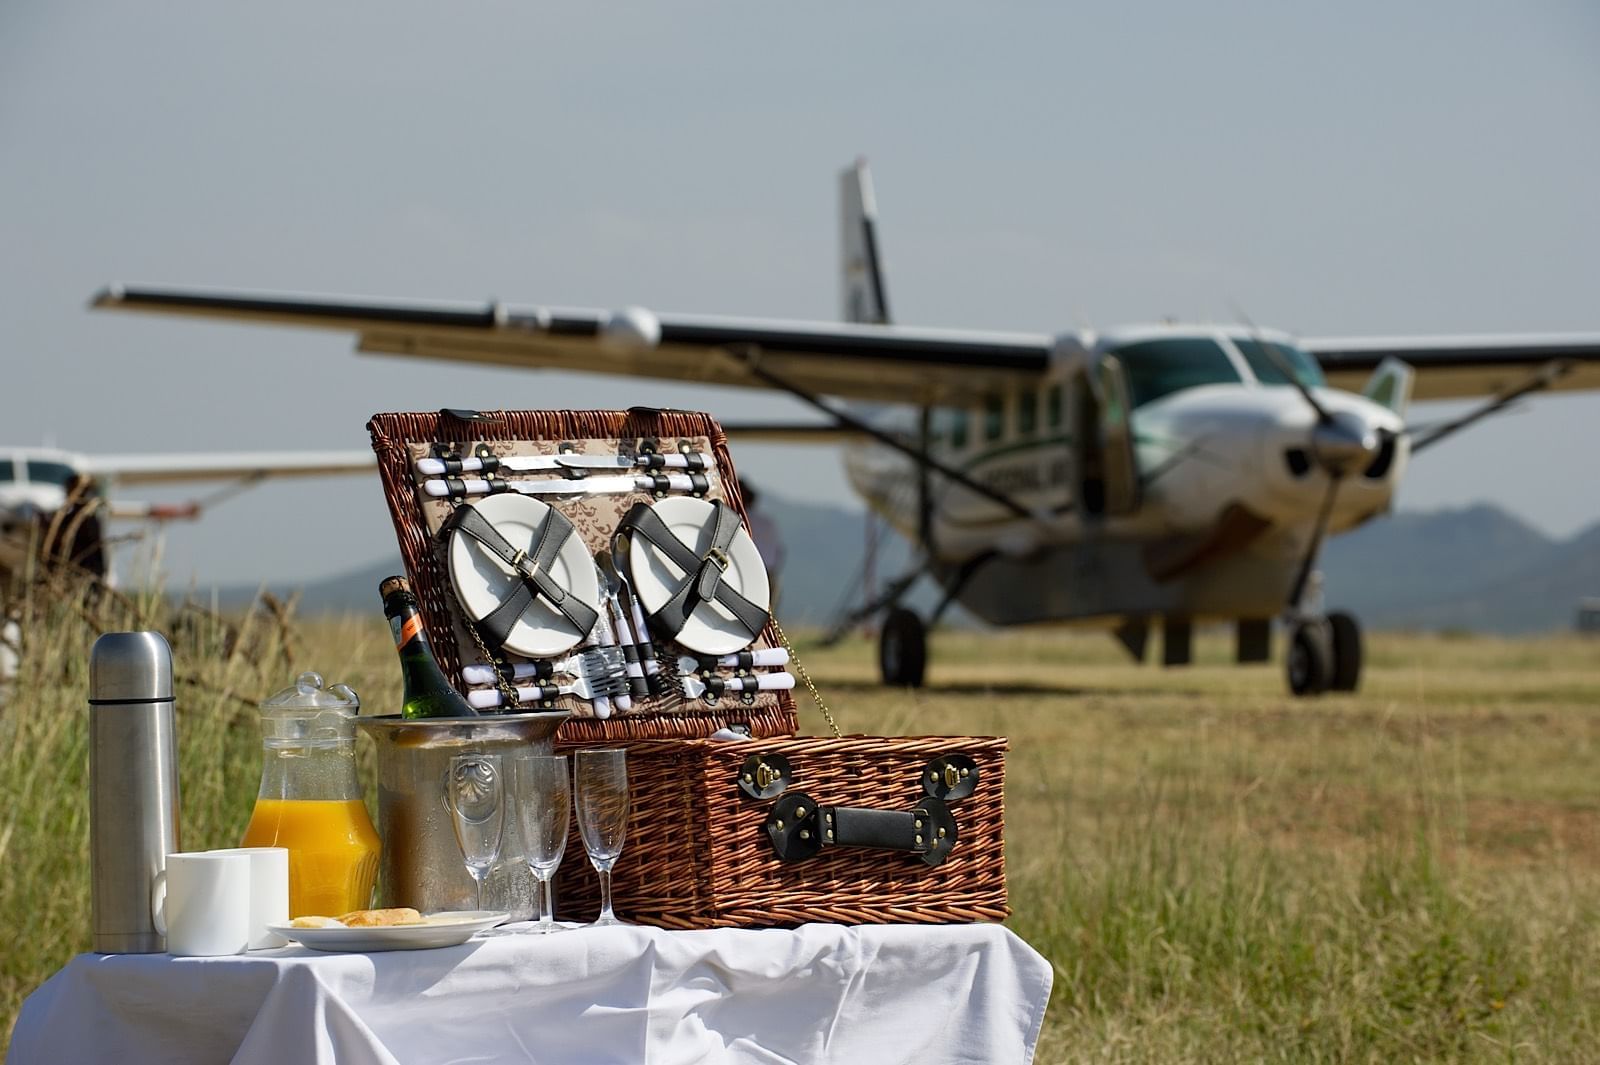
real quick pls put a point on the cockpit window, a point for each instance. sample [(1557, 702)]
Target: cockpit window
[(56, 473), (1266, 369), (8, 470), (1158, 368)]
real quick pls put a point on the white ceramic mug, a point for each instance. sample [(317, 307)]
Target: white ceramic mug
[(201, 903), (269, 892)]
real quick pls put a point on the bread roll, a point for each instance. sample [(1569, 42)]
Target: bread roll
[(381, 918), (315, 922)]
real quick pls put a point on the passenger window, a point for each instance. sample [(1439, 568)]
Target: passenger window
[(1027, 411), (994, 417), (1052, 407), (958, 428)]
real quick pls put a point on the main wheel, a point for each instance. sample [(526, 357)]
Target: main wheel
[(903, 649), (1310, 663), (1346, 633)]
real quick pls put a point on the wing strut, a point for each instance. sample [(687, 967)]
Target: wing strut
[(1543, 378), (849, 421)]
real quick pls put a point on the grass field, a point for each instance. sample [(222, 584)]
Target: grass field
[(1215, 871)]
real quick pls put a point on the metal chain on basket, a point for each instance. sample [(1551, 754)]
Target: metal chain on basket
[(794, 660), (508, 693)]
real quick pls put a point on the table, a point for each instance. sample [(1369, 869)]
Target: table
[(819, 993)]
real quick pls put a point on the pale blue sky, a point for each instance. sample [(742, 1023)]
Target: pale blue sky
[(1334, 169)]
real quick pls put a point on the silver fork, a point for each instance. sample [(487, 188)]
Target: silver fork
[(583, 688), (594, 663), (605, 635), (611, 588)]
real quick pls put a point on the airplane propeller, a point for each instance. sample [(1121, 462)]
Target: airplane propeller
[(1343, 443)]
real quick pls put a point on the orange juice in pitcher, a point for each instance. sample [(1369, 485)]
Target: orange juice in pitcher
[(310, 798)]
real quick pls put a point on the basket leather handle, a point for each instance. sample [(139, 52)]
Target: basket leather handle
[(800, 828)]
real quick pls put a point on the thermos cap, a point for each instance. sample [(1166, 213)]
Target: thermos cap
[(129, 667)]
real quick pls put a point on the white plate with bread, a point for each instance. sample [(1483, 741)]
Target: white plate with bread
[(393, 929)]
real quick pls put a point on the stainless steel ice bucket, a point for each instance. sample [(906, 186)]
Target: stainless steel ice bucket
[(421, 865)]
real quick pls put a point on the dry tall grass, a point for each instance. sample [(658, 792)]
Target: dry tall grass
[(1215, 871)]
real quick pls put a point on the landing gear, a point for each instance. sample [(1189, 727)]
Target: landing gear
[(1324, 654), (1310, 660), (1346, 634), (903, 649)]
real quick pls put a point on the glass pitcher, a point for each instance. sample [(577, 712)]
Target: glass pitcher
[(310, 798)]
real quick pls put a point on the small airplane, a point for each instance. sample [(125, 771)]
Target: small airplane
[(1152, 473), (39, 483), (54, 506)]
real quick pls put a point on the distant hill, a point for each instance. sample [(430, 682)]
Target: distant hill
[(1399, 564), (1538, 593), (1477, 568)]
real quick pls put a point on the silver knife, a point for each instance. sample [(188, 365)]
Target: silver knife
[(761, 656), (694, 687), (435, 467), (441, 488)]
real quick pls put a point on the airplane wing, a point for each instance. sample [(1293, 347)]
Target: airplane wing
[(222, 466), (791, 433), (1459, 367), (869, 362)]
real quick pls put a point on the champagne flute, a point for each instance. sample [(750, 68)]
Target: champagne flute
[(603, 815), (475, 792), (544, 812)]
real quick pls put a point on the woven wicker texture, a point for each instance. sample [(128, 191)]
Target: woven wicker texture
[(393, 436), (697, 855)]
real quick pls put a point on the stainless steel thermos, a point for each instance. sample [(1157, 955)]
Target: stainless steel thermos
[(133, 786)]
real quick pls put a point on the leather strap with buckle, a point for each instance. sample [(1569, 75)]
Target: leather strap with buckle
[(532, 569), (702, 581)]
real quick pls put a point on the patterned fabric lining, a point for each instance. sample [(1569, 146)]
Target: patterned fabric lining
[(595, 518)]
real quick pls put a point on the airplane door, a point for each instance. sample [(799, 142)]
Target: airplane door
[(1106, 469), (1120, 459)]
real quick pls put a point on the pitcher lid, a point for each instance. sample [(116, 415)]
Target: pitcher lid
[(308, 692)]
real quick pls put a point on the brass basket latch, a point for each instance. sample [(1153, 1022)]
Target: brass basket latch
[(950, 777), (765, 776)]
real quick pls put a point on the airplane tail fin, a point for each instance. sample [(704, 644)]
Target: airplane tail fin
[(1390, 385), (863, 297)]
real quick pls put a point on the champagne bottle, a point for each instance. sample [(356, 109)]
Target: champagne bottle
[(427, 693)]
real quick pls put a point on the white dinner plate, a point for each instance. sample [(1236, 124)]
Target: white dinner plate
[(712, 629), (482, 580), (442, 930)]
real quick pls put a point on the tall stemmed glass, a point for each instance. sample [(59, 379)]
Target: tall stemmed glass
[(544, 809), (603, 815), (475, 791)]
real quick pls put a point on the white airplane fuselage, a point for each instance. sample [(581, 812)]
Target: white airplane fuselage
[(34, 480), (1227, 451)]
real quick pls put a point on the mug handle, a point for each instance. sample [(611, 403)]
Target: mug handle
[(158, 903)]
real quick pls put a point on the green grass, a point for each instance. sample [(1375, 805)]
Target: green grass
[(222, 667), (1216, 872)]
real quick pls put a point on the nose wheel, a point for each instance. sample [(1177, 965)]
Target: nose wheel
[(903, 649), (1324, 654), (1346, 635)]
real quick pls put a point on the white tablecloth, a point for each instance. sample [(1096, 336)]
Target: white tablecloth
[(870, 995)]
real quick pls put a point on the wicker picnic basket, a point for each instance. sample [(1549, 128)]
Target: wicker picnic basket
[(699, 851), (777, 830), (400, 439)]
